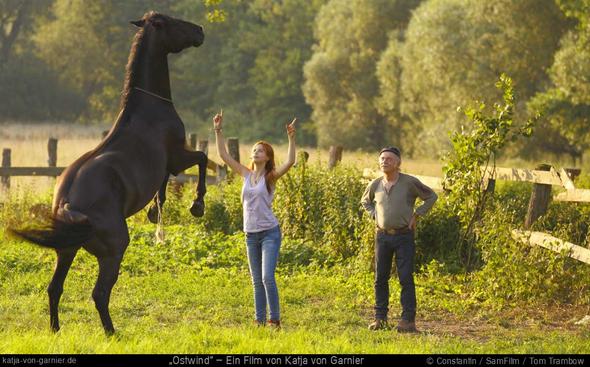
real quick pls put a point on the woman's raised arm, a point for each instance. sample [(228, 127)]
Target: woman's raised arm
[(221, 149), (283, 168)]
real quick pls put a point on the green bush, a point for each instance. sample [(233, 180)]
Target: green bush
[(503, 269), (515, 271), (322, 206), (437, 236)]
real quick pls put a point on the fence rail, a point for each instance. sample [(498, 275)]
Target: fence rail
[(7, 170), (552, 177), (553, 243)]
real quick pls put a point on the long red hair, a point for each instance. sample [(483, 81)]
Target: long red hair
[(269, 167)]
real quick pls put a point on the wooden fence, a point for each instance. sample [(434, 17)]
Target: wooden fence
[(51, 170)]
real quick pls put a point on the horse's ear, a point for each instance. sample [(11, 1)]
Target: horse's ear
[(138, 23)]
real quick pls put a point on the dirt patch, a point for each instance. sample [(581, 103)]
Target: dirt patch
[(515, 320), (482, 325)]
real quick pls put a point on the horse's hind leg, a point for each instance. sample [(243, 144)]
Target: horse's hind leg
[(108, 274), (55, 288), (109, 250)]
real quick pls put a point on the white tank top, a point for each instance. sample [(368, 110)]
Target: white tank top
[(257, 205)]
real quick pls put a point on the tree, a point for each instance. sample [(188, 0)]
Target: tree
[(13, 15), (341, 84), (29, 90), (565, 127), (215, 75), (95, 36), (251, 65), (283, 45), (389, 102), (454, 48)]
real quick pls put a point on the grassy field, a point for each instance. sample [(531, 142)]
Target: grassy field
[(192, 294)]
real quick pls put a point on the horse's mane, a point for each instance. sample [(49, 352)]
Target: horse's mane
[(130, 75), (131, 66)]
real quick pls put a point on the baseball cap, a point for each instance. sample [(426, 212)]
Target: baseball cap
[(393, 150)]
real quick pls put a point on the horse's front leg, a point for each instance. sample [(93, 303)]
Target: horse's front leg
[(155, 209), (190, 158)]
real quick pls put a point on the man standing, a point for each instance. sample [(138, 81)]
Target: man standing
[(390, 202)]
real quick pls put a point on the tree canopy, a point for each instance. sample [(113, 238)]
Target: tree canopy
[(358, 73)]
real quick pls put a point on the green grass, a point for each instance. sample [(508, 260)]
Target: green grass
[(194, 296), (187, 313)]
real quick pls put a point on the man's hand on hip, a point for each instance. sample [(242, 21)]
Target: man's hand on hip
[(413, 222)]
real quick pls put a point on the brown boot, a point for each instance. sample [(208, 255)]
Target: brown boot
[(405, 326), (258, 323), (275, 324), (378, 324)]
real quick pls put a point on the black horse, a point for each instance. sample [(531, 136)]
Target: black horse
[(97, 192)]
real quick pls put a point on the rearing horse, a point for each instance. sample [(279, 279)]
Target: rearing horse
[(97, 192)]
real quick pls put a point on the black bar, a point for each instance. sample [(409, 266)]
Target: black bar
[(299, 360)]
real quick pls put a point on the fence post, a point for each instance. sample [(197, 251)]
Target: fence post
[(203, 146), (6, 163), (52, 152), (302, 156), (233, 147), (221, 173), (491, 186), (539, 200), (335, 156), (305, 156), (192, 140)]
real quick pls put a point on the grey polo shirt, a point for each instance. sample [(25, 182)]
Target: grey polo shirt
[(394, 209)]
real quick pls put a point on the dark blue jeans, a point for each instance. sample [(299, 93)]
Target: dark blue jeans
[(402, 245), (263, 255)]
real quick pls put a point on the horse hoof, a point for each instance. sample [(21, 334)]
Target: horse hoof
[(152, 214), (198, 208)]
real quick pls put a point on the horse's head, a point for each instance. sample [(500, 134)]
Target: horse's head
[(170, 34)]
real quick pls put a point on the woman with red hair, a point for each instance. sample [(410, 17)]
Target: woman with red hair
[(263, 234)]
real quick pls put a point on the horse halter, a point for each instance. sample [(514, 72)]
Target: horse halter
[(153, 94)]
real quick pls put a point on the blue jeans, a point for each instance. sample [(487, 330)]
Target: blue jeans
[(402, 245), (263, 254)]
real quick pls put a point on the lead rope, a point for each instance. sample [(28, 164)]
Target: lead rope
[(159, 226)]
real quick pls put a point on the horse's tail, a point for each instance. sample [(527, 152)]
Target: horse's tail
[(68, 228)]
